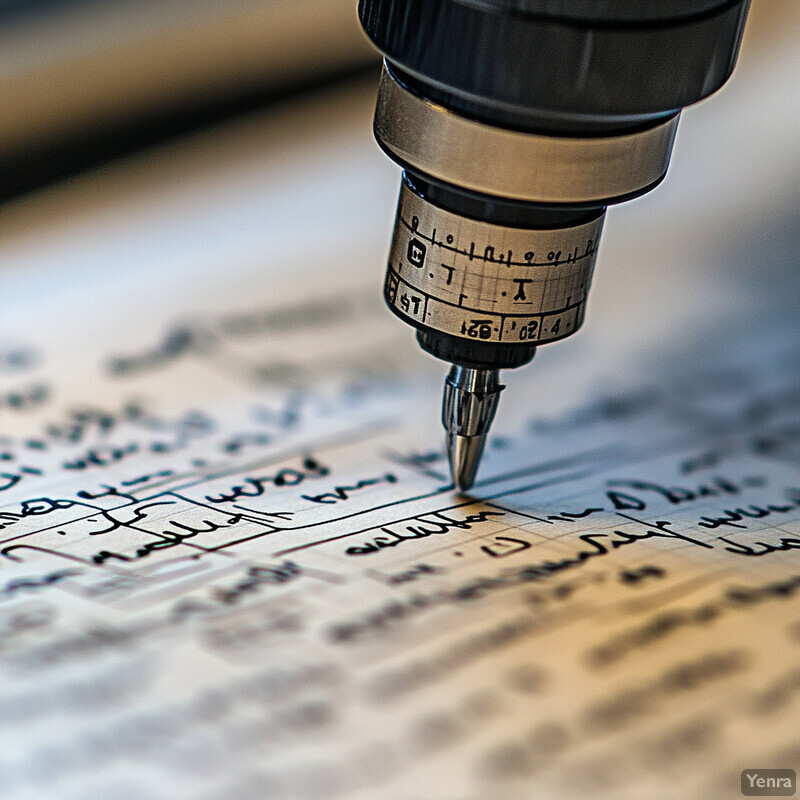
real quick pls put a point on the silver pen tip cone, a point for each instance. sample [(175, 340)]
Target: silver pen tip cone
[(464, 453), (468, 408)]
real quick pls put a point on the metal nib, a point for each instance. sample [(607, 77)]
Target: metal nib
[(465, 454), (468, 408)]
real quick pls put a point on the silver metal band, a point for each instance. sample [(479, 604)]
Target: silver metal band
[(516, 165), (489, 283)]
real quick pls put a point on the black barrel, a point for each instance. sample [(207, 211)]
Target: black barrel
[(560, 64)]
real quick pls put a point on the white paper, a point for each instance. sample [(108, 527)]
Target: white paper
[(231, 564)]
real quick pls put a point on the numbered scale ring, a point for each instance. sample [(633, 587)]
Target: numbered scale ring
[(486, 282)]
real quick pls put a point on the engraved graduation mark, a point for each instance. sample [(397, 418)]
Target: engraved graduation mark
[(488, 282)]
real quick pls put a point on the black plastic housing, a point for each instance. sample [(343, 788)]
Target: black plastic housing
[(560, 64)]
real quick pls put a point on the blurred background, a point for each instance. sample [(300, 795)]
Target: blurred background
[(84, 81)]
